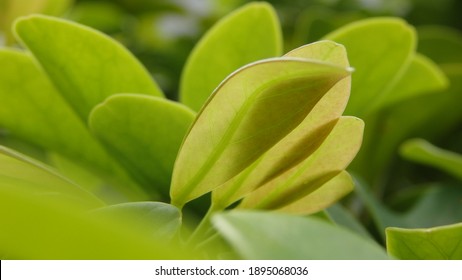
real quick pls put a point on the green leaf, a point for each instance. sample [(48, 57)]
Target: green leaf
[(441, 43), (84, 64), (144, 133), (39, 228), (250, 111), (439, 243), (323, 197), (32, 110), (260, 235), (249, 34), (421, 77), (303, 140), (21, 172), (161, 220), (421, 151), (332, 156), (379, 49)]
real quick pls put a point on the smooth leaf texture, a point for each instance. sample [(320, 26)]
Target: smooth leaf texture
[(342, 216), (303, 140), (441, 43), (248, 34), (332, 156), (21, 172), (32, 110), (323, 197), (439, 243), (421, 151), (53, 229), (84, 64), (145, 134), (421, 77), (260, 235), (379, 49), (161, 220), (249, 112)]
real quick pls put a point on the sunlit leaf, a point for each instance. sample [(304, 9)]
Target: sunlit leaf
[(439, 243), (304, 139), (85, 65), (379, 49), (18, 171), (323, 197), (330, 158), (249, 112), (249, 34), (32, 110), (162, 220), (259, 235), (145, 133)]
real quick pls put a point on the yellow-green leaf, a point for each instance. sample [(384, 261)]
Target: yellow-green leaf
[(85, 65), (304, 139), (249, 34), (145, 134), (248, 113)]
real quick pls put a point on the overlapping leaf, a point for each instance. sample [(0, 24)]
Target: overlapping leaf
[(262, 235), (21, 172), (249, 112), (300, 143), (439, 243), (247, 35), (32, 110), (145, 133), (380, 50), (35, 228), (85, 65)]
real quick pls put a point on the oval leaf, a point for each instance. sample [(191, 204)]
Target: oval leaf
[(332, 157), (279, 236), (32, 110), (84, 64), (439, 243), (248, 113), (249, 34), (379, 49), (303, 140), (145, 133)]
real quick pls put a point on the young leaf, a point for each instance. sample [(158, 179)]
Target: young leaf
[(145, 133), (34, 228), (439, 243), (21, 172), (84, 64), (379, 49), (321, 198), (248, 113), (332, 156), (249, 34), (159, 219), (260, 235), (421, 151), (304, 139), (32, 110)]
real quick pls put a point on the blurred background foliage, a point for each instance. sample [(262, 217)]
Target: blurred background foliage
[(162, 33)]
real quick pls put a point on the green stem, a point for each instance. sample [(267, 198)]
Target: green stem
[(200, 233)]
